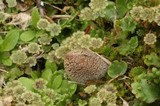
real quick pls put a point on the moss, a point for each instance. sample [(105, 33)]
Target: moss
[(42, 24), (18, 57), (34, 48), (54, 29)]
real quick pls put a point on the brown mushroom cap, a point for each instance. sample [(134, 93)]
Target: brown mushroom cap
[(82, 65)]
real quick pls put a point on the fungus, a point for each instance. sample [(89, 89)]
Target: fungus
[(84, 65)]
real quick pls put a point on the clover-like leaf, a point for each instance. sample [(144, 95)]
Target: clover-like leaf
[(121, 6), (129, 47), (27, 35), (10, 40), (136, 71), (152, 59), (145, 91), (110, 11), (117, 68), (128, 24)]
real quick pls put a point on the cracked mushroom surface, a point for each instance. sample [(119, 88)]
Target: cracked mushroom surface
[(84, 65)]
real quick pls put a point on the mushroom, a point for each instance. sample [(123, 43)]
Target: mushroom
[(82, 65)]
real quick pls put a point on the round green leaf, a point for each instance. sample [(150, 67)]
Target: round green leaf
[(147, 92), (7, 62), (117, 68), (28, 83), (27, 36), (110, 11)]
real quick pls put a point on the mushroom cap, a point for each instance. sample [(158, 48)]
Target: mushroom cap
[(82, 65)]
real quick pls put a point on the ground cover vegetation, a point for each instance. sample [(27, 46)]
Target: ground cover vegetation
[(79, 52)]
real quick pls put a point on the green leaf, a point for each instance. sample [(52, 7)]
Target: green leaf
[(128, 24), (57, 81), (82, 102), (117, 68), (121, 6), (1, 40), (10, 40), (47, 74), (34, 74), (148, 92), (73, 88), (129, 47), (140, 103), (7, 62), (136, 71), (110, 11), (67, 88), (152, 59), (35, 16), (26, 82), (51, 65), (4, 55), (46, 48), (27, 35)]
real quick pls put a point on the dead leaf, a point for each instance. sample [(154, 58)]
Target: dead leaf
[(21, 19), (125, 103)]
